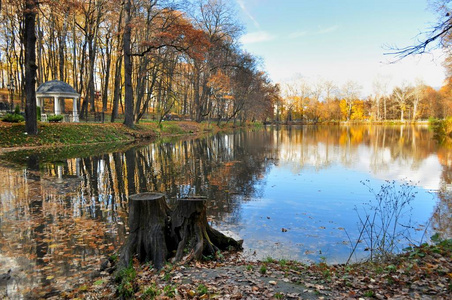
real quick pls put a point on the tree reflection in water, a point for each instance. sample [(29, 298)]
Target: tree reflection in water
[(58, 219)]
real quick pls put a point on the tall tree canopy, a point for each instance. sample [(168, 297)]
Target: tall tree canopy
[(136, 58)]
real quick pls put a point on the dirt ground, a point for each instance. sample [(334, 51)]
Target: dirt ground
[(424, 273)]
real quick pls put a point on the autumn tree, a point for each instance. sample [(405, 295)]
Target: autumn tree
[(217, 19), (350, 92), (171, 56)]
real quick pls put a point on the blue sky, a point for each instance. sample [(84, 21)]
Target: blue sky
[(340, 40)]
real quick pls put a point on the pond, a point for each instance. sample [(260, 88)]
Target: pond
[(289, 193)]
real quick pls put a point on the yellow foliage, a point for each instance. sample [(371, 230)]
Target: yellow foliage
[(358, 110), (344, 109)]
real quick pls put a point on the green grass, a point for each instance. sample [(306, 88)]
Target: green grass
[(126, 282), (59, 134), (63, 134)]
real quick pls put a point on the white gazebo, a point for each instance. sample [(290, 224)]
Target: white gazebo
[(59, 91)]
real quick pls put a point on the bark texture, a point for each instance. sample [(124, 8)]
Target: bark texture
[(195, 238), (158, 233), (148, 225)]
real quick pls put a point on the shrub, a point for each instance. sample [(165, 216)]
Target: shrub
[(13, 118), (442, 129), (387, 219), (55, 118), (38, 113)]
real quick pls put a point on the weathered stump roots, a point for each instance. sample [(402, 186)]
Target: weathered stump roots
[(194, 236)]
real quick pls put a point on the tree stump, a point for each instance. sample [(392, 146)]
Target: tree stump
[(193, 235), (149, 230), (156, 232)]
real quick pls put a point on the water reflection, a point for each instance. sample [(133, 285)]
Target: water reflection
[(58, 219)]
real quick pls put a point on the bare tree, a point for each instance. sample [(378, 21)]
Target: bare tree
[(401, 95), (350, 92), (380, 89), (417, 96)]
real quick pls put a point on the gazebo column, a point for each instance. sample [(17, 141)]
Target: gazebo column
[(40, 103), (57, 105), (74, 110)]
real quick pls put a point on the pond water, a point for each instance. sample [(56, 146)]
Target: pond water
[(292, 193)]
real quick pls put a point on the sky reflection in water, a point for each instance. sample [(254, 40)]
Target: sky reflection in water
[(315, 189)]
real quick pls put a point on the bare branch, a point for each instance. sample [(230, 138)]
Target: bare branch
[(438, 33)]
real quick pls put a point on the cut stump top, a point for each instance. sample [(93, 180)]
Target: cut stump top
[(146, 196), (193, 199)]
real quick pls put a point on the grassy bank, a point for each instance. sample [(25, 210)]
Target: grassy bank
[(61, 134)]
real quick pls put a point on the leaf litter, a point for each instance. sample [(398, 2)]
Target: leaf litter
[(422, 273)]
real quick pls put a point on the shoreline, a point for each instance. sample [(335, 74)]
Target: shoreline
[(423, 272), (13, 136)]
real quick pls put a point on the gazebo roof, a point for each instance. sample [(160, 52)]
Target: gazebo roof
[(56, 88)]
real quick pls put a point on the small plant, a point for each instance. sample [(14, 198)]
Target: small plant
[(114, 257), (98, 282), (369, 294), (202, 289), (151, 292), (263, 269), (249, 267), (125, 279), (55, 118), (282, 262), (269, 259), (219, 255), (279, 295), (83, 288), (169, 291), (167, 276)]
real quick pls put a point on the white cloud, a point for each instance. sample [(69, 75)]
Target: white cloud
[(297, 34), (256, 37), (328, 29), (248, 14)]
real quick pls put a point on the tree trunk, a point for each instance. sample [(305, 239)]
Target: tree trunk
[(108, 48), (148, 225), (193, 235), (31, 123), (116, 90), (128, 96)]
